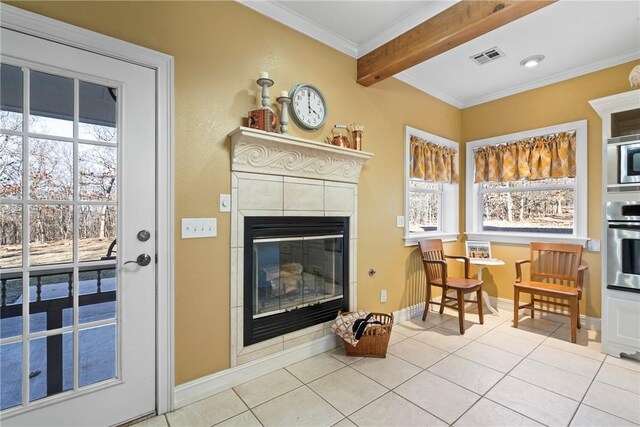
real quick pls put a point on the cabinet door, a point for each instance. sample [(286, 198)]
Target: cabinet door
[(622, 327)]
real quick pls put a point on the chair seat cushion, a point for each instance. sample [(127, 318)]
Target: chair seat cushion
[(547, 288), (458, 283)]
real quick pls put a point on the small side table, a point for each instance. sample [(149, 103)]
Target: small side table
[(482, 263)]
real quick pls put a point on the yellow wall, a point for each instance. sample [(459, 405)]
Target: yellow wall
[(563, 102), (219, 49)]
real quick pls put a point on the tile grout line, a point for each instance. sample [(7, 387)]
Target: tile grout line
[(587, 391)]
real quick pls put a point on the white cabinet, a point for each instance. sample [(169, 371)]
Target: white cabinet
[(620, 309)]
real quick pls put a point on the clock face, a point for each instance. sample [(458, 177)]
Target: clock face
[(308, 107)]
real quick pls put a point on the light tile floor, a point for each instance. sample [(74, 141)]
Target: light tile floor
[(494, 375)]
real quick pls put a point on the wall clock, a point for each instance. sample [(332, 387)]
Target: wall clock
[(308, 106)]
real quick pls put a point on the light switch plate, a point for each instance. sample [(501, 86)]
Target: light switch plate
[(593, 245), (383, 295), (225, 203), (193, 228), (400, 221)]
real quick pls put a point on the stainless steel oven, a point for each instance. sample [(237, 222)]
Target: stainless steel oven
[(623, 246), (628, 158)]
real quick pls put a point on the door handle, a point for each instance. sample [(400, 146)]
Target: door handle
[(142, 260)]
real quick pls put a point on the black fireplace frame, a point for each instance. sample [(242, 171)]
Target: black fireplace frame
[(264, 328)]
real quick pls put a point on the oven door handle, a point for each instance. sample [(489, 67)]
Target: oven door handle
[(625, 225)]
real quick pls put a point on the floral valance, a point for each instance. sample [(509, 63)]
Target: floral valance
[(550, 156), (432, 162)]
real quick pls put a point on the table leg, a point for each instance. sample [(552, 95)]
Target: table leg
[(485, 295)]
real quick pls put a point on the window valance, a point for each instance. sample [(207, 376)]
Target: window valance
[(432, 162), (549, 156)]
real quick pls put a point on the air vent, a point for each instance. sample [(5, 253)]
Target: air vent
[(487, 56)]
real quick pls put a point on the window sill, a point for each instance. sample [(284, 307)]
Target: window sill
[(525, 238), (414, 239)]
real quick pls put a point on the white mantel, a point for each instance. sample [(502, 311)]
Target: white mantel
[(280, 175), (257, 151)]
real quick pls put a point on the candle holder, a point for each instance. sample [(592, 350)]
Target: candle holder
[(284, 102), (266, 83)]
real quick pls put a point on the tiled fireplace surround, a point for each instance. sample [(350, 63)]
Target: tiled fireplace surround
[(279, 175)]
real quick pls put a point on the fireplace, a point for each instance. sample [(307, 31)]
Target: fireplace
[(296, 273)]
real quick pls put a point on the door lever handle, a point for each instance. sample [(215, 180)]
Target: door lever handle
[(142, 260)]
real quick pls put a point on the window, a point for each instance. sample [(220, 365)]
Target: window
[(529, 186), (431, 187)]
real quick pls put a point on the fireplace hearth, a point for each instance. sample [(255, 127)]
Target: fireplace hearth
[(296, 273)]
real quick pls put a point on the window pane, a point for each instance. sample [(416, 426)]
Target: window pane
[(10, 235), (50, 170), (418, 184), (11, 98), (97, 294), (10, 375), (96, 231), (50, 300), (10, 167), (98, 171), (542, 211), (51, 234), (11, 324), (97, 112), (97, 355), (51, 108), (529, 184), (424, 211), (50, 365)]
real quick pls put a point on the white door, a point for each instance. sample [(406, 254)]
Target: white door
[(77, 185)]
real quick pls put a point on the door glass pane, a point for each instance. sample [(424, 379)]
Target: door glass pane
[(97, 112), (96, 232), (10, 235), (98, 168), (50, 169), (10, 167), (51, 105), (10, 375), (50, 300), (97, 294), (11, 324), (50, 365), (11, 99), (51, 234), (97, 360)]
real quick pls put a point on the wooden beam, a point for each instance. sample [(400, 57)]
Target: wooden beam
[(454, 26)]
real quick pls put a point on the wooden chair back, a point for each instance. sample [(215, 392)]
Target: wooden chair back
[(556, 263), (432, 250)]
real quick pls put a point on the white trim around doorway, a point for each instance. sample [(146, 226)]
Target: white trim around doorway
[(36, 25)]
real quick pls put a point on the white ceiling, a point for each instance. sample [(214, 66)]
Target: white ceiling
[(576, 37)]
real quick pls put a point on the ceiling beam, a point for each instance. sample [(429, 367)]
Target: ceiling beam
[(454, 26)]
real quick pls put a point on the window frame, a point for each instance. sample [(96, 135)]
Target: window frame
[(448, 208), (473, 199)]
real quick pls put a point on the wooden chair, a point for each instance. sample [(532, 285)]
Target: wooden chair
[(435, 268), (555, 272)]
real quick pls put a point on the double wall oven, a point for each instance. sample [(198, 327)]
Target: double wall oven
[(623, 246)]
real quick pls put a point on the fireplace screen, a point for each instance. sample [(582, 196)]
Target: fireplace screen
[(296, 272)]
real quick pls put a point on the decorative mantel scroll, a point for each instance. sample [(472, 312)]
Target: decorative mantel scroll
[(278, 154)]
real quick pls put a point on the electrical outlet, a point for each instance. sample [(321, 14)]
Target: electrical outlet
[(383, 295), (400, 221), (593, 245), (193, 228)]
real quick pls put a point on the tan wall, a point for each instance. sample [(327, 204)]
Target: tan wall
[(219, 49), (554, 104)]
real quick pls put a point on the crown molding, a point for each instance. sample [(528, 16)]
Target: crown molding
[(301, 24), (409, 78), (555, 78)]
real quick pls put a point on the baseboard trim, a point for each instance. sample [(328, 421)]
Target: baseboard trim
[(408, 313), (209, 385)]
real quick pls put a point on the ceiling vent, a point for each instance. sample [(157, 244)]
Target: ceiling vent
[(487, 56)]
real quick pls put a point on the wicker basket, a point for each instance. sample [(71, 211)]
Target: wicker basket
[(374, 340)]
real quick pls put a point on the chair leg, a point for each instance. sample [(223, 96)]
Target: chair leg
[(578, 313), (442, 300), (480, 304), (516, 305), (461, 311), (427, 303), (573, 311), (532, 297)]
